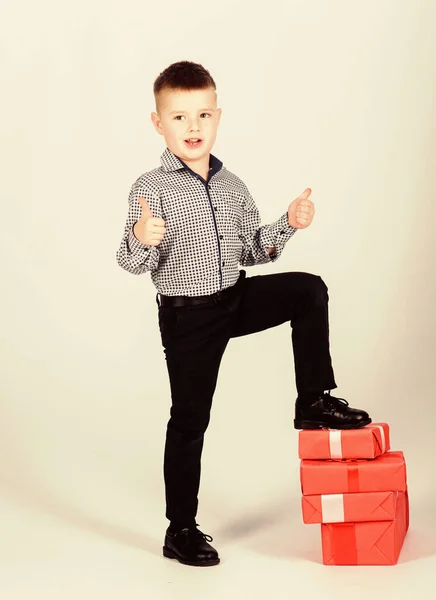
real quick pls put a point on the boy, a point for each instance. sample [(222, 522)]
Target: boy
[(191, 222)]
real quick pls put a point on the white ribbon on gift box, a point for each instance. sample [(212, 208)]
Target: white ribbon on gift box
[(382, 435), (335, 443), (332, 508), (335, 440)]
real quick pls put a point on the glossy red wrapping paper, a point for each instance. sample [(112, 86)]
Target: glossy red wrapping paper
[(385, 473), (354, 507), (367, 442), (368, 542)]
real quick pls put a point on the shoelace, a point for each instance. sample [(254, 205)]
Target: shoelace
[(197, 532), (332, 401)]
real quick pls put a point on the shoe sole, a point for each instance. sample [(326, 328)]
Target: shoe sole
[(203, 563), (320, 425)]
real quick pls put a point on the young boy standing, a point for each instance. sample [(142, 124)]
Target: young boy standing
[(190, 223)]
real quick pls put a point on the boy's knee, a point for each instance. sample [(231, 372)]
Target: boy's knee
[(321, 283), (318, 289), (188, 430)]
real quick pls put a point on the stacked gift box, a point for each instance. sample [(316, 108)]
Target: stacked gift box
[(356, 488)]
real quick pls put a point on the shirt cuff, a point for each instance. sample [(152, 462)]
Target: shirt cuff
[(281, 229), (135, 245), (276, 236)]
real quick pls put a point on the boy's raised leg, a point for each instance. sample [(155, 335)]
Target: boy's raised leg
[(302, 300)]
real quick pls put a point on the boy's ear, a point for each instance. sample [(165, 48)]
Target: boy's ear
[(156, 122)]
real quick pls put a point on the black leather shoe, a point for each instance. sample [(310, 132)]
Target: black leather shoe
[(329, 412), (190, 547)]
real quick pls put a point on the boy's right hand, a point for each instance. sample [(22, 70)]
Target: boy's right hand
[(148, 230)]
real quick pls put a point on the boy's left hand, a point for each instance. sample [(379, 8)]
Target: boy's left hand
[(301, 211)]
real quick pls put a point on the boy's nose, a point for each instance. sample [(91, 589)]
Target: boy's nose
[(194, 125)]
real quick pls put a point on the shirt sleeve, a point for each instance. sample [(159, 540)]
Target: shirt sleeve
[(132, 255), (258, 238)]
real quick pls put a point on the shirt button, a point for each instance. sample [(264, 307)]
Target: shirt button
[(221, 237), (282, 232), (223, 263), (215, 208)]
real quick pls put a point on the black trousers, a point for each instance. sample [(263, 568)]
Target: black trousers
[(194, 339)]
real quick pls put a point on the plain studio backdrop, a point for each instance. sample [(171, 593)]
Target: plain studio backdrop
[(335, 95)]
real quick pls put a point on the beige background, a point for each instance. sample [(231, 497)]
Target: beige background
[(334, 95)]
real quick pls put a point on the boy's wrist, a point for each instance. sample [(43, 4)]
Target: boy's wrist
[(135, 240), (138, 231)]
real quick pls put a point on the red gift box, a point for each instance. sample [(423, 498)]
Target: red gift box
[(369, 542), (385, 473), (367, 442), (344, 508)]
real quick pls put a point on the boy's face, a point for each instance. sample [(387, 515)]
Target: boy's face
[(188, 114)]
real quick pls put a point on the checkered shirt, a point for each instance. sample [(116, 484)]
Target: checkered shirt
[(211, 227)]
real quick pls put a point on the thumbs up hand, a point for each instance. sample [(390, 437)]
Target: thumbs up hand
[(301, 211), (148, 230)]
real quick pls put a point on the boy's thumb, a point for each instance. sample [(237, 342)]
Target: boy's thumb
[(145, 208), (306, 193)]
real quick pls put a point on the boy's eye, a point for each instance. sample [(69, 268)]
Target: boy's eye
[(177, 116)]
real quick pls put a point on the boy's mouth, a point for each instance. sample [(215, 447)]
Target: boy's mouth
[(193, 142)]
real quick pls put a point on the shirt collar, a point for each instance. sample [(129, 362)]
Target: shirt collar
[(170, 162)]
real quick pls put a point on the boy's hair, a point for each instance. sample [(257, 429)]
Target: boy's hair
[(182, 75)]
